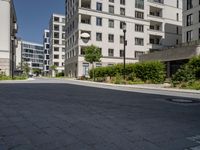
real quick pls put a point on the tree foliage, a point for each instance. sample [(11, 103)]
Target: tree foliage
[(92, 54)]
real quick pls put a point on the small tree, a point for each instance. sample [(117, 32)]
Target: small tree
[(54, 68), (92, 54), (37, 71), (25, 68)]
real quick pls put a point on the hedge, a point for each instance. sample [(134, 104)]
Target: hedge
[(153, 72)]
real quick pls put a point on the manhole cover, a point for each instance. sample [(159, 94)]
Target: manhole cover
[(182, 100)]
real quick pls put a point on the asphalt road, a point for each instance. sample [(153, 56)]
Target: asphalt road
[(59, 116)]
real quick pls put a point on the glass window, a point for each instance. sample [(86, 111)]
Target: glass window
[(99, 21), (139, 4), (111, 23), (99, 6)]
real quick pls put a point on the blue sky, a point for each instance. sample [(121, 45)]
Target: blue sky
[(33, 17)]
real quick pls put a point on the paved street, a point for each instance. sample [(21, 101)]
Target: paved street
[(47, 114)]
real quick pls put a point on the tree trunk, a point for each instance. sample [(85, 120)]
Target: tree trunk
[(93, 71)]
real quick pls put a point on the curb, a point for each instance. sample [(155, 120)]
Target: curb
[(140, 87)]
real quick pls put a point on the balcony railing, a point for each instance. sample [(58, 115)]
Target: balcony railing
[(157, 1)]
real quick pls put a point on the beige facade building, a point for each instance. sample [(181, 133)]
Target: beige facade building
[(149, 27), (8, 42)]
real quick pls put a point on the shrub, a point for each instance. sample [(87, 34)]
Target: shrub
[(194, 65), (152, 72), (60, 74), (184, 74)]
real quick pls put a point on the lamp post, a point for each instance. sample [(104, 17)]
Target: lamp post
[(125, 43)]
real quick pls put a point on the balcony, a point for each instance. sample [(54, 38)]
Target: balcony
[(86, 4), (156, 28), (85, 19), (155, 42), (154, 11)]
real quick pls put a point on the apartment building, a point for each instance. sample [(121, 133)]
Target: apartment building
[(191, 20), (175, 57), (57, 42), (46, 51), (8, 42), (149, 27), (33, 54)]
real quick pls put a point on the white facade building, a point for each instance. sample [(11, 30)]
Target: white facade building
[(191, 20), (33, 54), (46, 51), (8, 42), (150, 24), (57, 42)]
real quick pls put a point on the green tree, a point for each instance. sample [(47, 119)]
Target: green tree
[(92, 55), (37, 71), (25, 68)]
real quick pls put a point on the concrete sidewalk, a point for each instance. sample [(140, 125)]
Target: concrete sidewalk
[(141, 88)]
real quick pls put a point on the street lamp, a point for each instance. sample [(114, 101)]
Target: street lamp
[(125, 43)]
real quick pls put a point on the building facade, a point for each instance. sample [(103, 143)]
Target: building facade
[(57, 42), (174, 58), (46, 51), (8, 42), (33, 54), (191, 20), (149, 27)]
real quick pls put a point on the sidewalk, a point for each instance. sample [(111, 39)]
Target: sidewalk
[(142, 88)]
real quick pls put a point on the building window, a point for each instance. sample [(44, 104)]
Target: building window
[(199, 14), (56, 42), (189, 4), (99, 6), (177, 42), (189, 36), (98, 36), (110, 38), (111, 23), (139, 28), (177, 4), (56, 56), (110, 52), (122, 11), (111, 9), (199, 33), (122, 24), (139, 4), (177, 16), (56, 19), (139, 41), (139, 14), (138, 53), (112, 1), (56, 27), (121, 53), (121, 39), (122, 2), (189, 20), (99, 21), (56, 49), (85, 69)]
